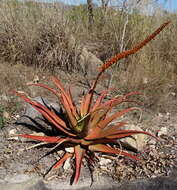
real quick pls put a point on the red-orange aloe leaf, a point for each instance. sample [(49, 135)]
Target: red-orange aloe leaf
[(133, 50), (102, 124), (57, 82), (62, 160), (108, 149), (72, 104), (74, 109), (95, 118), (125, 133), (51, 116), (63, 99), (79, 153), (66, 97), (46, 87), (40, 108), (42, 138), (96, 130), (82, 106), (99, 100), (100, 133), (101, 141), (68, 110), (86, 102), (118, 100), (67, 105)]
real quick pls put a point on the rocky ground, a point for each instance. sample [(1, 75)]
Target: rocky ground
[(20, 168)]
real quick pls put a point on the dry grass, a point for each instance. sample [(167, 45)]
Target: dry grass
[(51, 36), (35, 34)]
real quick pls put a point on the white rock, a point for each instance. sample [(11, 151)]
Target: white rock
[(13, 132), (162, 131), (173, 93), (70, 149), (17, 116), (38, 134), (145, 80), (67, 164), (160, 114), (104, 161), (137, 141)]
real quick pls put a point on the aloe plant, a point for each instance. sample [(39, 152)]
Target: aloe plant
[(88, 129)]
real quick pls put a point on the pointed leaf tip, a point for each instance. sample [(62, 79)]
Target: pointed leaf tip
[(79, 153)]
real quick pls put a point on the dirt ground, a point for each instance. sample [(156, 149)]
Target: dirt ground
[(158, 158)]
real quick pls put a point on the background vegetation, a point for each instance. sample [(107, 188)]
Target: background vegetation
[(50, 36)]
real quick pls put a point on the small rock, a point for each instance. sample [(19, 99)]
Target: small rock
[(160, 114), (173, 93), (145, 80), (6, 115), (104, 161), (31, 117), (36, 79), (38, 134), (4, 97), (13, 132), (163, 131), (67, 164), (70, 149), (17, 116), (137, 141), (152, 143)]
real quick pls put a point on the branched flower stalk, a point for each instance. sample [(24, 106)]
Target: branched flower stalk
[(88, 129)]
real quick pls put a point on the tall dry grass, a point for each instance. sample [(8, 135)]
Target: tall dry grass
[(51, 36), (35, 34)]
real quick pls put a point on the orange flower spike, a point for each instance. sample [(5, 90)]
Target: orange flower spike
[(133, 50)]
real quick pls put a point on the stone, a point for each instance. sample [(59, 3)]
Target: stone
[(23, 182), (6, 115), (11, 134), (67, 165), (33, 119), (89, 63), (33, 113), (137, 141), (157, 183), (69, 149), (100, 183), (104, 161), (162, 131)]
